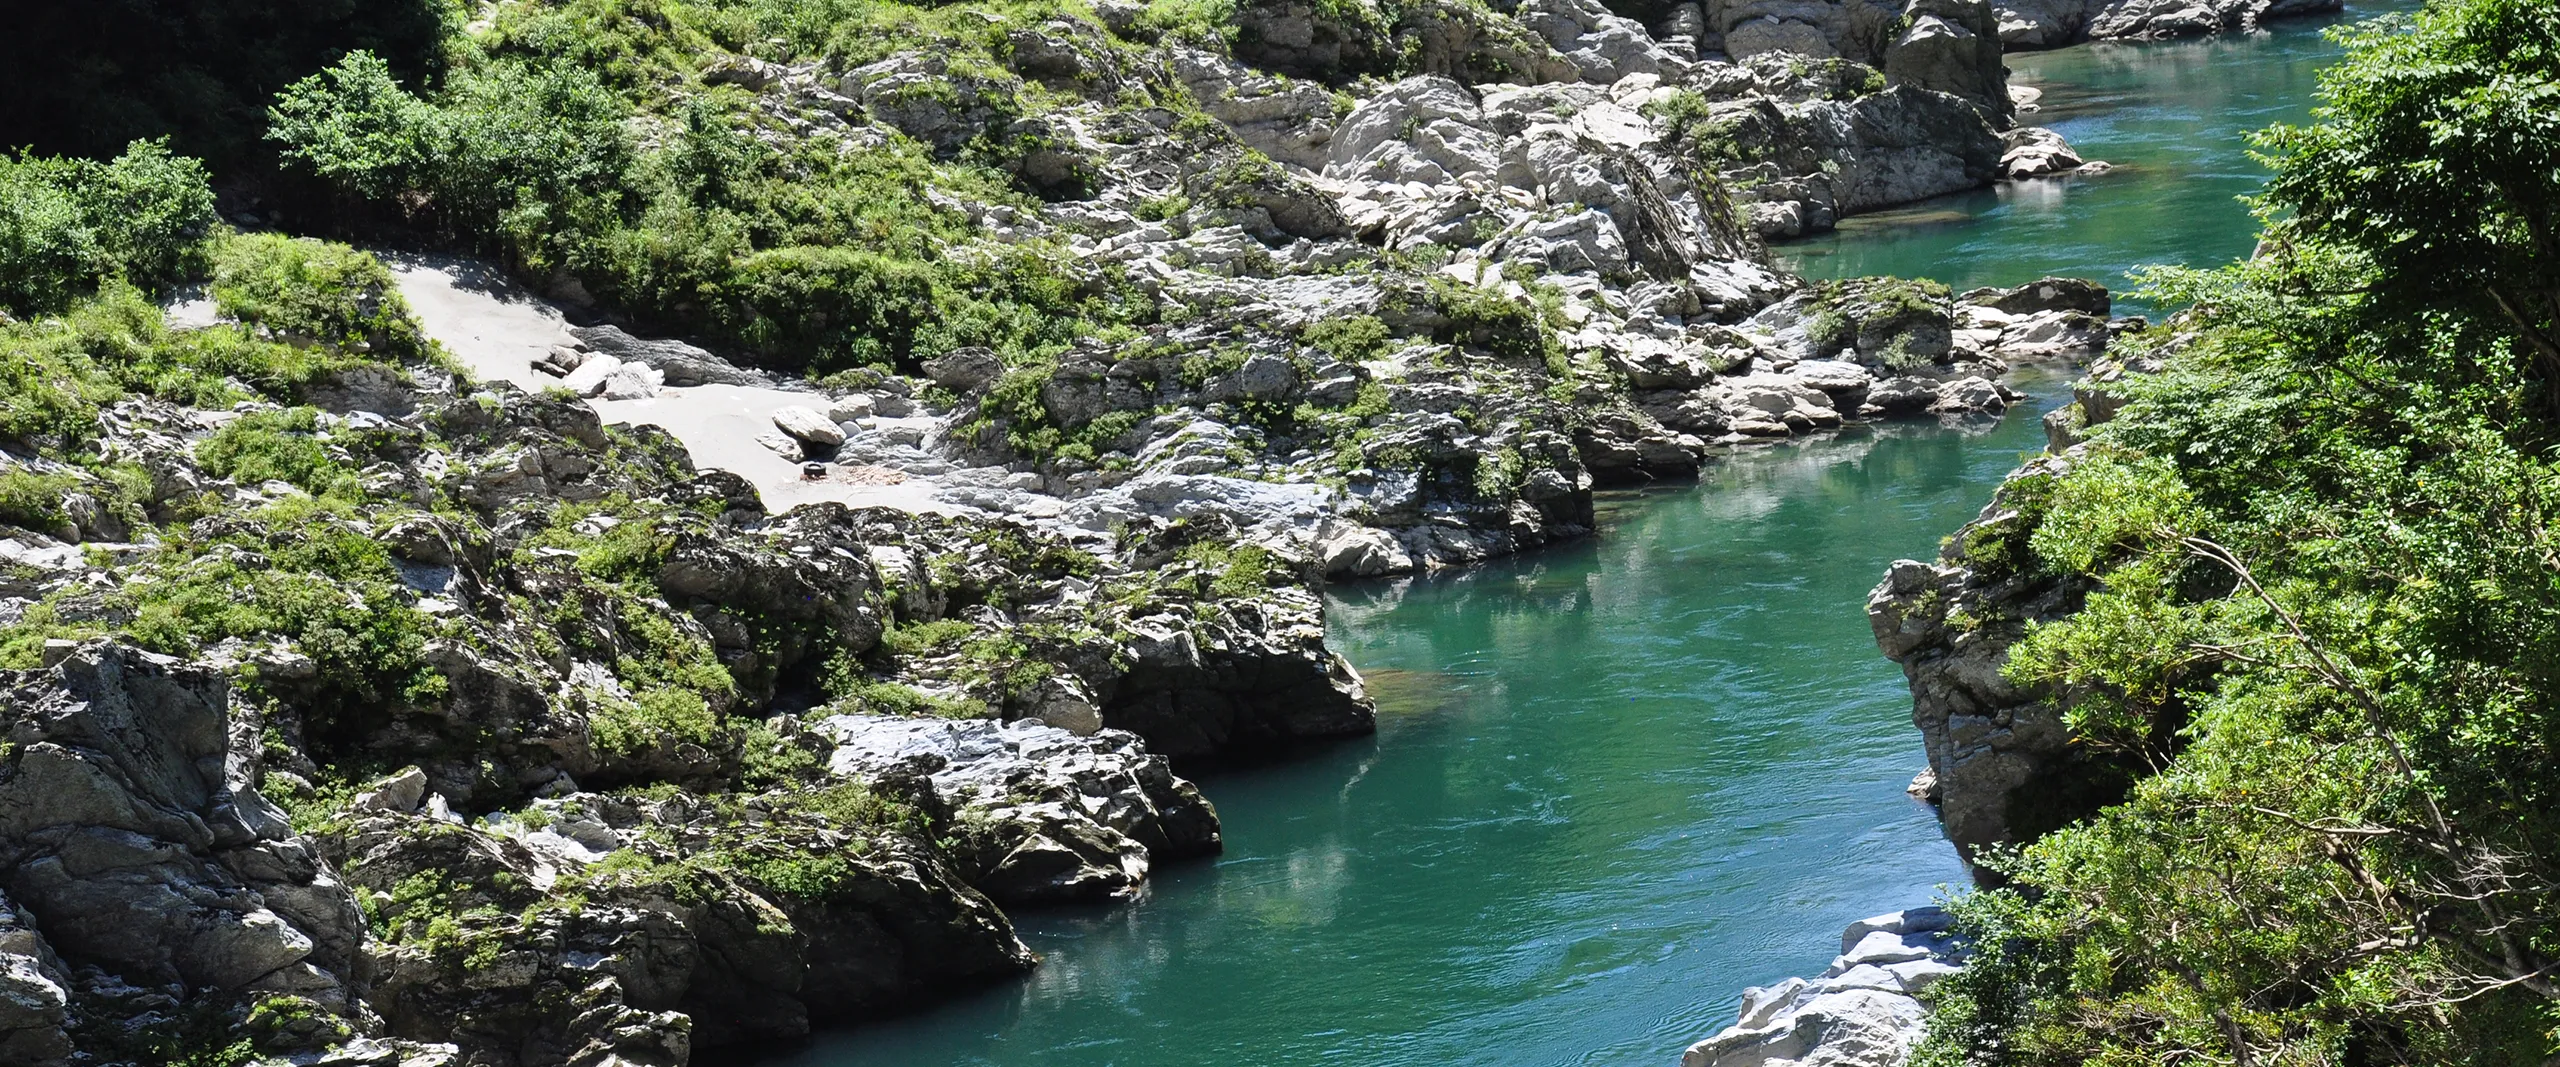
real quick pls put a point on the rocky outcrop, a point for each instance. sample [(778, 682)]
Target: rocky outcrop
[(2003, 766), (2000, 756), (1861, 1012), (135, 848), (589, 925), (534, 607), (676, 362), (35, 994), (2054, 23), (1046, 815)]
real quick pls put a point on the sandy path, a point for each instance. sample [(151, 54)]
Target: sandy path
[(496, 328)]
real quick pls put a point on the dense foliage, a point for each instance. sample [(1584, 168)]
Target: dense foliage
[(68, 224), (589, 142), (83, 79), (2328, 578)]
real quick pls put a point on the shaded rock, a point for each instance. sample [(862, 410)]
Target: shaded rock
[(964, 369), (1953, 46), (35, 996), (132, 838), (2005, 767), (2046, 294)]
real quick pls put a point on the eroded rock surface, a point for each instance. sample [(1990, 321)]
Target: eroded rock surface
[(1860, 1012)]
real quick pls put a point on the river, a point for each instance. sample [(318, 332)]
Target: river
[(1616, 782)]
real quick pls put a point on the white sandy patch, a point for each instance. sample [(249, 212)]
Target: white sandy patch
[(496, 329)]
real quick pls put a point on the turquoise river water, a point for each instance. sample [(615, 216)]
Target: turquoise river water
[(1616, 782)]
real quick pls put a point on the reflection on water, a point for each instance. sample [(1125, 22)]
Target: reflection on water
[(2174, 120), (1402, 693)]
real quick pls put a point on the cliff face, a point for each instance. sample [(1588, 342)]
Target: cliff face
[(2000, 759), (2003, 768)]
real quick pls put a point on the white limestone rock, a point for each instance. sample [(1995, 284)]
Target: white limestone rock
[(1861, 1012), (808, 427)]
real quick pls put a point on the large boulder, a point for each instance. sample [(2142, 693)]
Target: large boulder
[(681, 363), (1862, 1011), (132, 840), (1046, 815), (1245, 680), (2036, 152), (1953, 46)]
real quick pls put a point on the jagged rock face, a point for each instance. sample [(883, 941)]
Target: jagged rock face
[(590, 926), (2054, 23), (132, 841), (1862, 1012), (1046, 816), (2003, 761), (1952, 46), (1256, 677), (1815, 161), (35, 995)]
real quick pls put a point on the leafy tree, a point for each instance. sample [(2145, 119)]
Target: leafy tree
[(2327, 614), (83, 79), (2437, 154), (806, 254)]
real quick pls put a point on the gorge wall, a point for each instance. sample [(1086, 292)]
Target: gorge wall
[(369, 709)]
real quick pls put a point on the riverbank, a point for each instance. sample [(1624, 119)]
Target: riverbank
[(520, 633), (1488, 629), (1588, 799)]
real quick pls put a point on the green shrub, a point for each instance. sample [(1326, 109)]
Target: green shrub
[(1352, 339), (1482, 318), (315, 291), (656, 715), (2316, 612), (1235, 571), (919, 638), (281, 446), (66, 225), (803, 255), (34, 501)]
